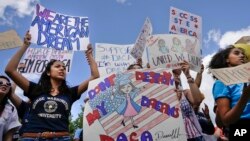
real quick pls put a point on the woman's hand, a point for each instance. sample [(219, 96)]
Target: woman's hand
[(88, 53), (205, 111), (185, 68), (91, 62), (27, 38)]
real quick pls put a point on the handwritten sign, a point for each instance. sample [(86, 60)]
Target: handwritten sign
[(233, 75), (243, 40), (168, 50), (9, 39), (182, 22), (36, 59), (59, 31), (138, 48), (112, 58), (153, 105)]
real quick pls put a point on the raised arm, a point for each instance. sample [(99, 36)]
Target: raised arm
[(16, 100), (198, 77), (93, 68), (195, 97), (11, 68)]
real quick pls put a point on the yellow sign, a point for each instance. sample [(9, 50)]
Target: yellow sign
[(246, 47)]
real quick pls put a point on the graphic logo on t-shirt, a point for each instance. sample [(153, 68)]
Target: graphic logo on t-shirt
[(50, 106)]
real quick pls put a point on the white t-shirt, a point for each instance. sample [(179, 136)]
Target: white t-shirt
[(8, 120)]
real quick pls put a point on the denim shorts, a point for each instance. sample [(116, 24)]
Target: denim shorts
[(65, 138)]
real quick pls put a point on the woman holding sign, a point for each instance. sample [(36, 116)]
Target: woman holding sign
[(233, 105), (51, 98)]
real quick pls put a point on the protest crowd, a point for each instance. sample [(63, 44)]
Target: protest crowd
[(142, 99)]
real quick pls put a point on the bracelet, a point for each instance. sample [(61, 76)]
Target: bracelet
[(188, 77)]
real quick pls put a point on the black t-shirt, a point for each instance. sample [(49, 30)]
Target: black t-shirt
[(49, 113), (23, 113)]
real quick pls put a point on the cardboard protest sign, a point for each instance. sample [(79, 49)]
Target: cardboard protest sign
[(243, 40), (233, 75), (183, 22), (136, 104), (59, 31), (168, 50), (112, 58), (139, 45), (36, 59), (9, 39)]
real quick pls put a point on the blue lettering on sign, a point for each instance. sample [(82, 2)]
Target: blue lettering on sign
[(59, 31)]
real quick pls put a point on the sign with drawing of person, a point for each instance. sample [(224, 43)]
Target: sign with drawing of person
[(183, 22), (9, 39), (168, 50), (61, 32), (36, 59), (233, 75), (139, 46), (136, 104)]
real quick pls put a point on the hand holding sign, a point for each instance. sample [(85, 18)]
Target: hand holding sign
[(27, 39), (93, 66), (185, 68), (88, 53)]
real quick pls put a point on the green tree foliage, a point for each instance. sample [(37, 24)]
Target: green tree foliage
[(77, 123)]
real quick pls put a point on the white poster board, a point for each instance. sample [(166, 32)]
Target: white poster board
[(233, 75), (9, 39), (36, 59), (183, 22), (139, 46), (113, 58), (153, 107), (168, 50), (59, 31)]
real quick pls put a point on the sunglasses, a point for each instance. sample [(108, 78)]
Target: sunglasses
[(6, 83)]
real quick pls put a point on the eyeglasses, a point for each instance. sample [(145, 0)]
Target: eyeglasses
[(6, 83)]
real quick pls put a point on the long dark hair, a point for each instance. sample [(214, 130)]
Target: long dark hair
[(44, 84), (5, 99)]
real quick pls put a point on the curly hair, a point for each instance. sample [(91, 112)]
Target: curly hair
[(219, 60)]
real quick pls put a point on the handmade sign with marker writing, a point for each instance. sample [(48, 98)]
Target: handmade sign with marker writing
[(134, 105), (59, 31)]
